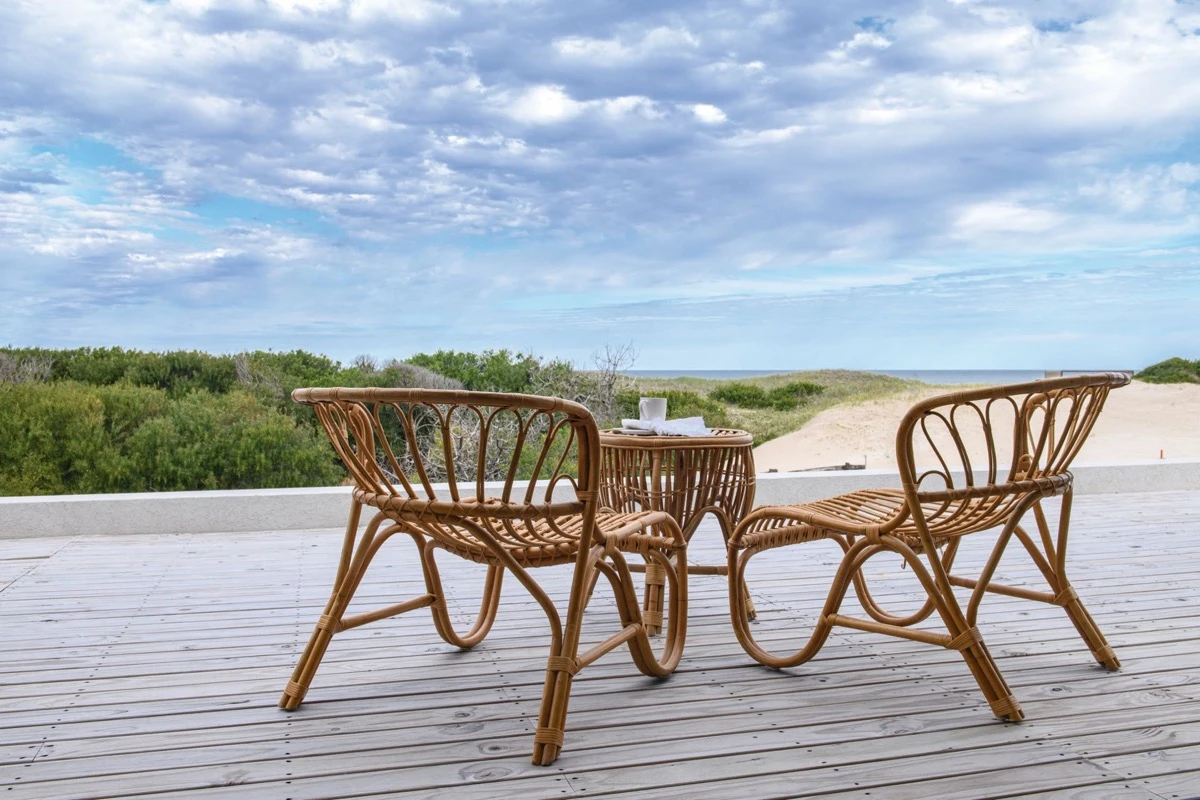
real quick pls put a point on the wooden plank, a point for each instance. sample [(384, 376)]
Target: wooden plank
[(396, 713)]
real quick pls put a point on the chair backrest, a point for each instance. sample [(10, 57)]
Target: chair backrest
[(967, 458), (399, 444)]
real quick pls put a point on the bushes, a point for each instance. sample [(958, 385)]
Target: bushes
[(67, 437), (782, 398), (489, 371), (177, 372), (226, 442), (273, 377), (1173, 370), (741, 394), (53, 440), (114, 420)]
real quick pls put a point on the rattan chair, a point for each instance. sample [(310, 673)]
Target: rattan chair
[(990, 456), (397, 442)]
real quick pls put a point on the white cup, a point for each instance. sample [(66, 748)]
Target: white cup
[(652, 409)]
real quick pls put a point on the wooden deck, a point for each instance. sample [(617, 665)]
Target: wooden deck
[(150, 665)]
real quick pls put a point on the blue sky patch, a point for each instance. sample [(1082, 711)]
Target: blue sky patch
[(86, 153), (225, 209)]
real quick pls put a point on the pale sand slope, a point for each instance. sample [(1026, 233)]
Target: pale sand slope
[(1137, 422)]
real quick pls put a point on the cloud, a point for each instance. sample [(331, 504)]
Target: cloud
[(544, 105), (283, 156), (709, 114), (1002, 217)]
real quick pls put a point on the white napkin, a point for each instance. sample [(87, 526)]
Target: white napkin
[(688, 426)]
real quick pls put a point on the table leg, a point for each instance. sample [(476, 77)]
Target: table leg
[(726, 532)]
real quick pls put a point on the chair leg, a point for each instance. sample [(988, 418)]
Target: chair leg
[(959, 636), (1064, 593), (350, 569), (987, 675), (739, 614), (674, 601), (1051, 560), (963, 636), (1101, 650), (654, 594), (488, 605), (565, 659), (561, 667), (748, 603)]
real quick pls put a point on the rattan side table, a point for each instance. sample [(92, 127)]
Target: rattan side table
[(686, 476)]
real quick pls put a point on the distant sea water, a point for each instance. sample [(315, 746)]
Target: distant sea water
[(936, 376)]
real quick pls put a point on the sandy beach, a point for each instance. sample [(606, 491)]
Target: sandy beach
[(1138, 421)]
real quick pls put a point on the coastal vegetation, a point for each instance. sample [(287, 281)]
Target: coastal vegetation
[(781, 398), (91, 420), (768, 422), (1173, 370)]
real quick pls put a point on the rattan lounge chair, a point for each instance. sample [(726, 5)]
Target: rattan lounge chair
[(989, 457), (397, 442)]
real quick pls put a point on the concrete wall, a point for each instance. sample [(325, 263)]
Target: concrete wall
[(779, 488), (302, 509)]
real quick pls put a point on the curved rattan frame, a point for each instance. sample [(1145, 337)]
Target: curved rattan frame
[(377, 433), (1044, 424)]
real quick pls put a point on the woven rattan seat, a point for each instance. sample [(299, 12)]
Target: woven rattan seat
[(533, 542), (977, 461), (860, 512), (410, 451)]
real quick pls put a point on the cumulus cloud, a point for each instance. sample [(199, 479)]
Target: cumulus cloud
[(284, 155)]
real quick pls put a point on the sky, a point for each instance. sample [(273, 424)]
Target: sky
[(946, 184)]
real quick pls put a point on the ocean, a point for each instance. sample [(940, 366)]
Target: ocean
[(935, 376)]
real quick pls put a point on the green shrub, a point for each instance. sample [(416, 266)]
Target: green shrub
[(801, 388), (741, 394), (181, 372), (177, 372), (788, 396), (680, 404), (228, 441), (781, 398), (127, 407), (53, 440), (113, 420), (298, 366), (67, 438), (489, 371), (1173, 370), (273, 376)]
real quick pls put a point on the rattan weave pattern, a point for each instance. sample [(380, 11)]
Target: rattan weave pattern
[(688, 477)]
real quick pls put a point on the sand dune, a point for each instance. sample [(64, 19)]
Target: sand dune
[(1138, 421)]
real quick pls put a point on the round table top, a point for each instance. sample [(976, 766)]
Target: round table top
[(720, 437)]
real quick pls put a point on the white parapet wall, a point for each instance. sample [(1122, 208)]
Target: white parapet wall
[(780, 488), (326, 507)]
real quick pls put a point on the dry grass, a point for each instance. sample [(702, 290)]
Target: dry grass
[(841, 386)]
